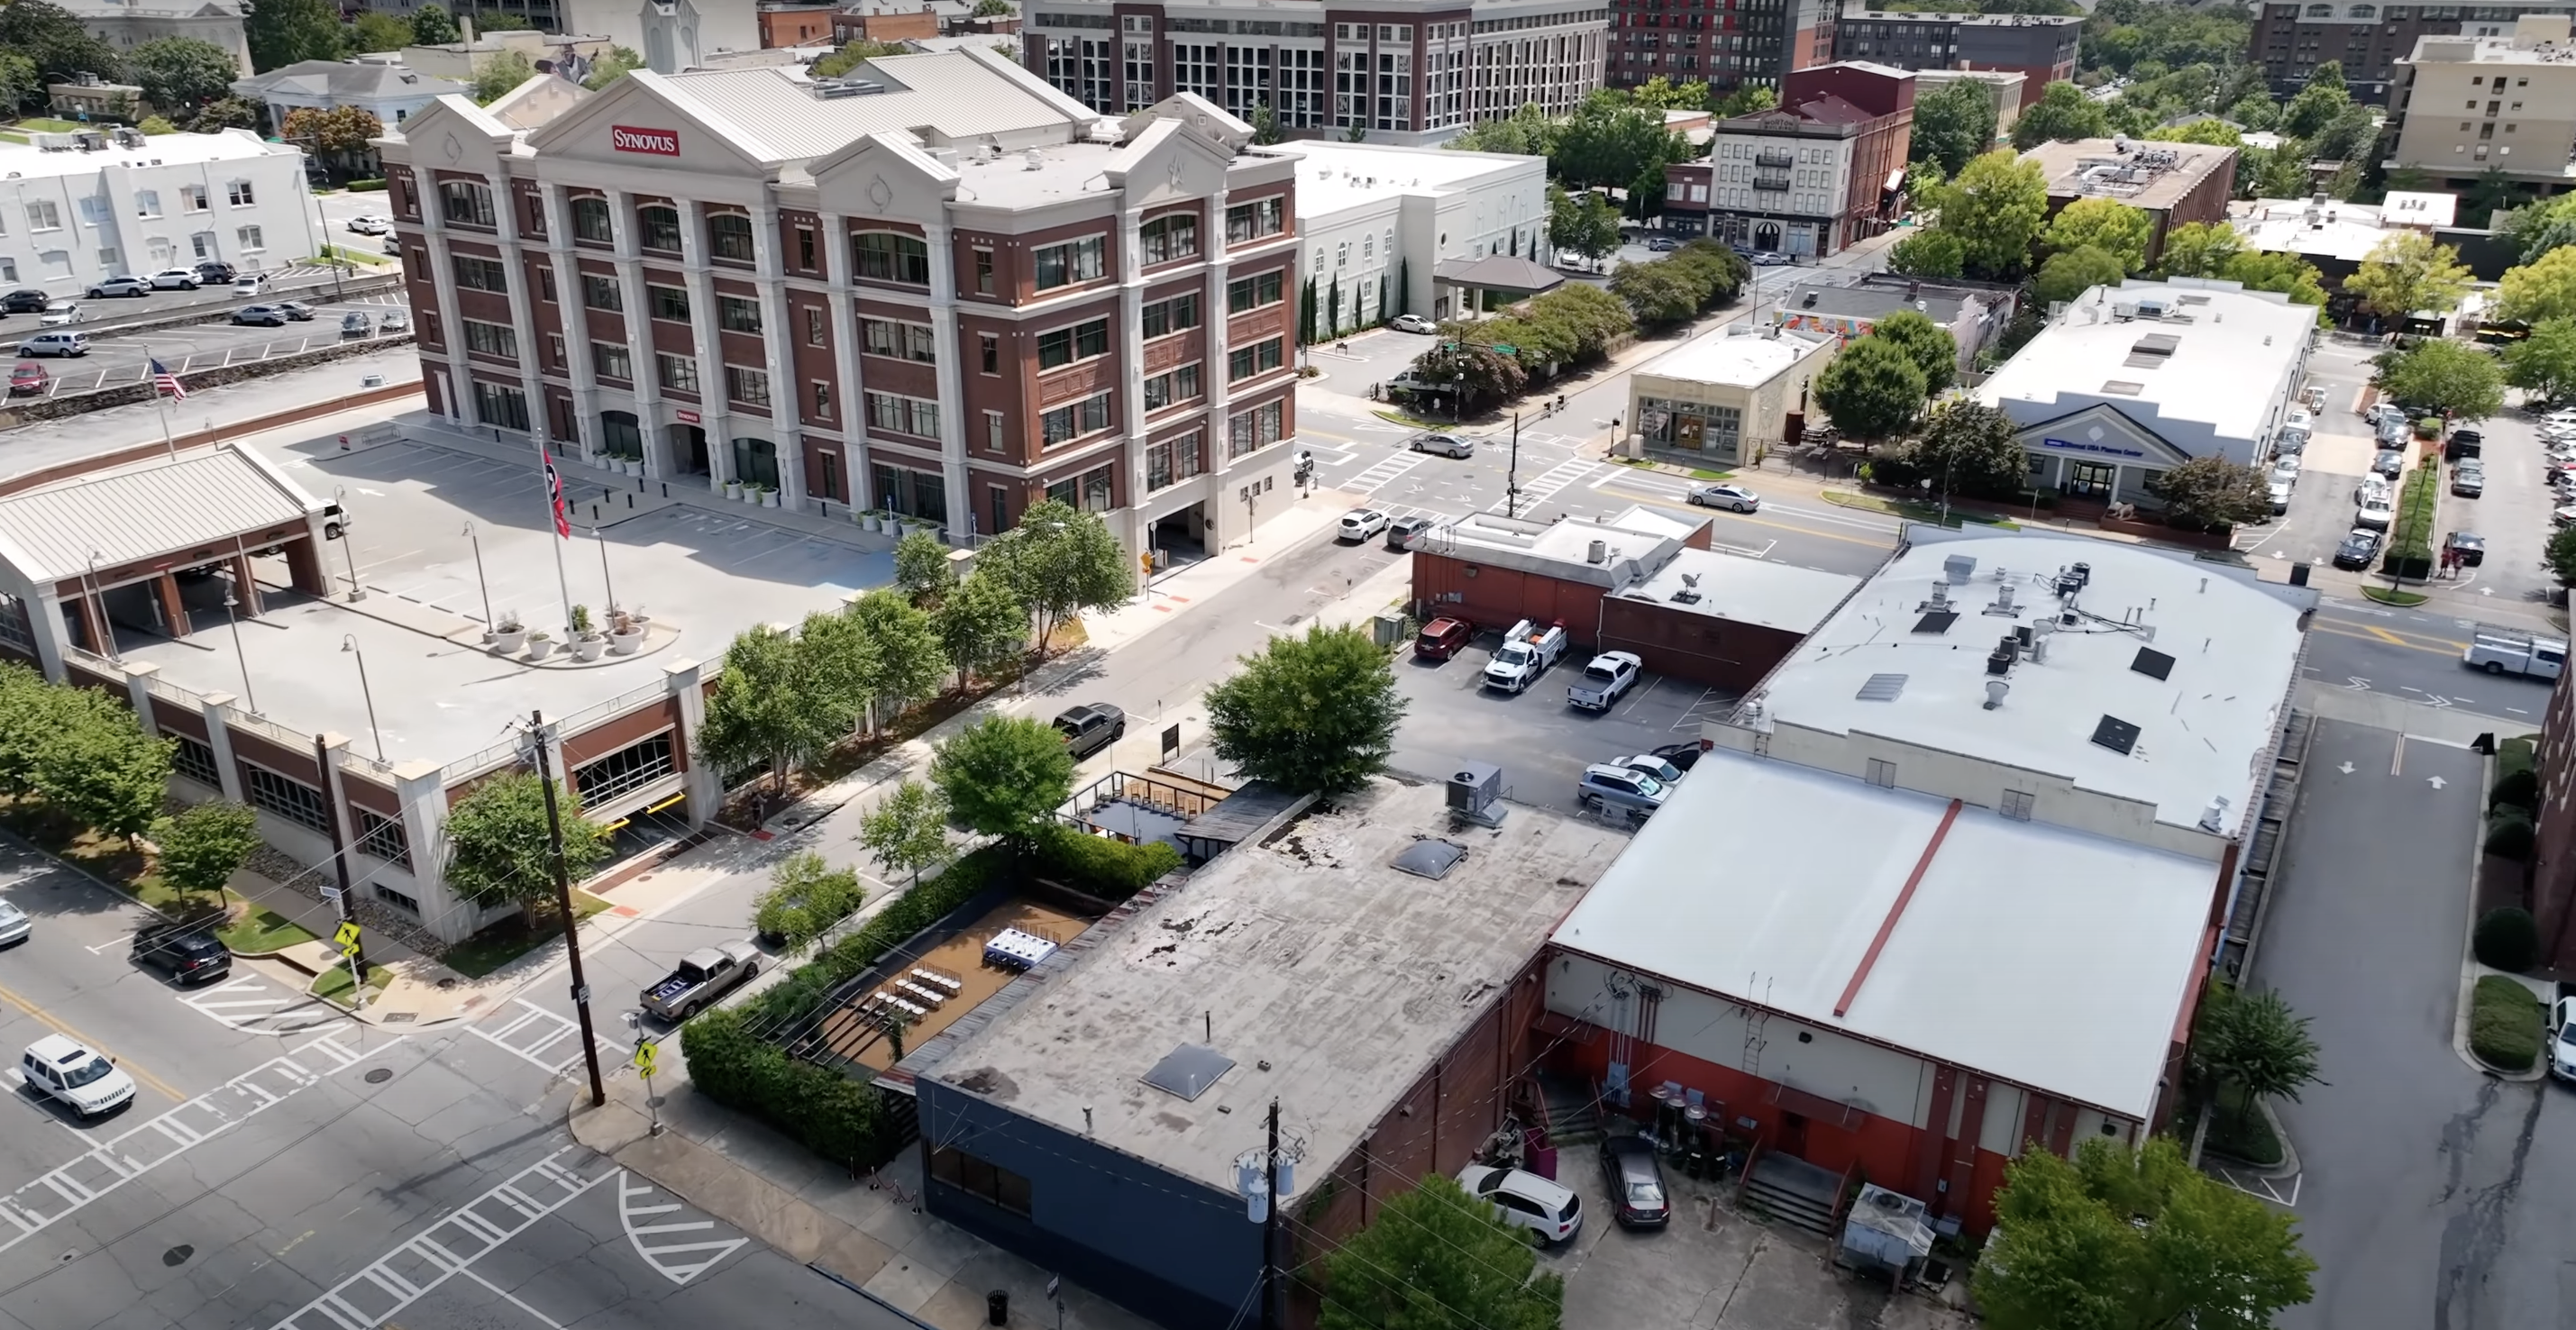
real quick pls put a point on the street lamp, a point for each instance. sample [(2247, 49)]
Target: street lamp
[(98, 606), (234, 622), (478, 578), (349, 645), (340, 500)]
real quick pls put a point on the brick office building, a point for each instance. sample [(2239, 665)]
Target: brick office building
[(2368, 39), (2040, 47), (937, 292), (1726, 44), (1812, 176)]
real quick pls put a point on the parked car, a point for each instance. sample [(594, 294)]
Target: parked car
[(2464, 444), (29, 379), (2468, 480), (1401, 531), (1091, 727), (2562, 1039), (1442, 638), (2289, 445), (1735, 498), (2280, 497), (14, 924), (188, 953), (1635, 1183), (2467, 546), (369, 224), (216, 272), (1680, 755), (25, 300), (355, 323), (1525, 654), (1663, 244), (1447, 445), (123, 285), (60, 313), (296, 310), (252, 283), (260, 316), (1767, 259), (175, 279), (2299, 420), (2375, 514), (1654, 766), (1604, 786), (72, 1073), (2516, 653), (2390, 463), (2357, 549), (1412, 323), (1362, 523), (394, 321), (1610, 674), (55, 344), (1526, 1200), (700, 978)]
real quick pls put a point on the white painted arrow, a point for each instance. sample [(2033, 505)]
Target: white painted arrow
[(2435, 781), (2486, 591), (2436, 700), (2358, 684), (2346, 768)]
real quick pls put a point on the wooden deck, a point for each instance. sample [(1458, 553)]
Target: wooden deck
[(858, 1034)]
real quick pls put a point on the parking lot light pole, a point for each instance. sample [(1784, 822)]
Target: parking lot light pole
[(349, 644), (479, 582), (233, 621), (340, 499)]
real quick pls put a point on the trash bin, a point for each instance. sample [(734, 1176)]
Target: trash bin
[(997, 1307)]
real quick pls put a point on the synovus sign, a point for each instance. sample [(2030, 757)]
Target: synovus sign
[(659, 142)]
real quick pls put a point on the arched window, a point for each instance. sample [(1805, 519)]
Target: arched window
[(590, 220), (729, 235), (464, 203), (2321, 11), (2363, 11), (660, 224)]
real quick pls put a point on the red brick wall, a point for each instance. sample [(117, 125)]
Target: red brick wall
[(2553, 879)]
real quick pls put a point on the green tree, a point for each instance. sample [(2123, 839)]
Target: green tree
[(1060, 562), (224, 113), (203, 844), (2445, 376), (1929, 252), (498, 848), (340, 133), (805, 897), (617, 64), (20, 85), (2250, 1047), (835, 669), (921, 569), (2199, 249), (1953, 125), (2210, 493), (2347, 136), (1265, 126), (2561, 555), (2539, 290), (178, 73), (500, 76), (1970, 448), (995, 8), (1996, 207), (2256, 112), (1473, 367), (501, 20), (1662, 94), (1309, 714), (98, 767), (1933, 349), (2213, 131), (1004, 776), (55, 46), (2541, 227), (433, 25), (1717, 271), (153, 124), (2317, 104), (282, 32), (2062, 113), (1745, 100), (1607, 142), (982, 627), (2068, 275), (1527, 132), (2287, 274), (2407, 272), (764, 711), (907, 831), (372, 32), (2544, 364), (1438, 1259), (1873, 390), (1584, 224), (2134, 1240), (2108, 225), (1657, 293), (908, 662)]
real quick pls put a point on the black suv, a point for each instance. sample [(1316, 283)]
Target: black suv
[(187, 953), (215, 272), (24, 300)]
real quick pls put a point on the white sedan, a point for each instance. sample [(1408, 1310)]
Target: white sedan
[(14, 925), (1732, 497), (369, 224), (1412, 323), (2562, 1039), (1362, 523)]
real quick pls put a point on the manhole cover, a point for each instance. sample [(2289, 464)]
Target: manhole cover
[(447, 983), (379, 1075), (178, 1256), (401, 1017)]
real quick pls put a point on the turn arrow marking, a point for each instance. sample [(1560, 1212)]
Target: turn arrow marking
[(2346, 768), (2435, 781)]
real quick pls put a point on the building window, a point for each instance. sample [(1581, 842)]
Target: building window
[(755, 463), (546, 285), (993, 430), (1251, 221), (1064, 346), (397, 899), (1255, 292), (992, 354), (828, 485), (1073, 261), (2017, 805), (1180, 385), (238, 194), (813, 325), (1249, 431), (93, 209), (285, 796), (475, 274), (902, 341), (729, 236), (249, 238), (1259, 358), (591, 221), (536, 216), (1171, 316), (737, 314), (44, 215), (1171, 462), (1169, 237), (1073, 420), (822, 400), (805, 248), (668, 303), (1882, 773), (461, 202), (620, 433), (884, 256), (603, 780), (498, 404), (750, 387), (491, 339), (660, 225), (384, 838), (903, 415), (983, 270), (599, 292), (610, 360), (192, 198), (1093, 491), (189, 757), (678, 373), (147, 203)]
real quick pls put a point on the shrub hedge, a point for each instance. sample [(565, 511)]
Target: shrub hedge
[(2506, 939), (2519, 788), (2510, 834), (2505, 1024), (1111, 870), (366, 186)]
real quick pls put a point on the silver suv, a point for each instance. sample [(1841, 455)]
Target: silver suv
[(54, 344), (1605, 787)]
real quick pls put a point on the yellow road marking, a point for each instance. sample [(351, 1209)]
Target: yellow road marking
[(138, 1073), (2434, 646), (1667, 501), (2386, 636)]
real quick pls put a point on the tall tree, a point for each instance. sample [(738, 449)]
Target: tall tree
[(2071, 274), (907, 831), (1744, 100), (2199, 249), (282, 32), (499, 848), (1265, 126), (2542, 289), (341, 134), (2252, 1043), (2108, 225), (1873, 390), (55, 45), (2255, 111), (921, 569), (2210, 493), (98, 766), (373, 32), (908, 660), (2318, 103), (2407, 272), (982, 627), (1060, 562), (2544, 364), (1309, 714), (433, 25), (2540, 227), (1996, 207), (1004, 776), (1438, 1259), (2287, 274), (764, 710), (180, 73), (20, 85), (2445, 376), (1607, 142), (224, 113), (204, 844), (1953, 125), (1582, 224), (1932, 348), (1929, 252), (1658, 294), (1971, 448), (1527, 132), (837, 668), (2063, 113)]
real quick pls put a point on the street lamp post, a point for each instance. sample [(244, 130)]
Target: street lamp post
[(478, 579), (349, 644), (98, 607), (233, 622), (600, 534), (340, 500)]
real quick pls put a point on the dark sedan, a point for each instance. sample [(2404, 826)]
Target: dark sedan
[(1635, 1182), (24, 300), (2465, 548), (2357, 549)]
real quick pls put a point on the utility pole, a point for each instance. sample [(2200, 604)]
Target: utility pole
[(1270, 1228), (563, 905), (1512, 479), (340, 861)]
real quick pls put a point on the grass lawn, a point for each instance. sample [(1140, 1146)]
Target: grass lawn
[(1917, 512), (355, 255), (512, 938), (262, 931), (2505, 1024), (107, 858), (1412, 422), (332, 985), (38, 124), (2386, 596)]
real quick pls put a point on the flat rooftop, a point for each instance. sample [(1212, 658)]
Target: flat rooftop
[(1743, 359), (1868, 302), (2344, 231), (774, 114), (1787, 919), (2140, 173), (31, 162), (1335, 979), (2222, 366), (1334, 176), (1562, 549), (1748, 591), (2227, 647)]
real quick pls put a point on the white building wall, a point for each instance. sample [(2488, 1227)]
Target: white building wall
[(126, 214)]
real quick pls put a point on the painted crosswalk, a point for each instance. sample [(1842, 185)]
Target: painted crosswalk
[(543, 1038), (1555, 478), (672, 1246), (1383, 474), (260, 1006)]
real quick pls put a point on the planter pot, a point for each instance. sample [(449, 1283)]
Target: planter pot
[(733, 489), (631, 466), (509, 643), (589, 648), (625, 644), (769, 498), (752, 497), (868, 522), (540, 648)]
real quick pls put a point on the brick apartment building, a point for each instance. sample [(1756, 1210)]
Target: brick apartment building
[(1724, 43), (935, 293), (1819, 172), (2368, 39), (2040, 47)]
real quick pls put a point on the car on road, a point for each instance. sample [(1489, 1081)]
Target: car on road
[(370, 224), (1401, 531), (28, 379), (394, 321), (25, 300), (252, 283), (55, 344), (2357, 549), (175, 279), (1526, 1200), (2374, 513), (59, 313), (700, 978), (1663, 244), (2562, 1039), (14, 925), (2389, 462), (2468, 480), (2280, 497), (296, 310), (2563, 515), (1766, 259), (1442, 638), (1362, 523), (1734, 498), (1610, 674), (1525, 654), (1090, 727), (2289, 445), (1635, 1183), (216, 272), (1680, 756), (121, 286), (63, 1069), (260, 316), (188, 953), (1412, 323), (2516, 653), (2467, 548), (1605, 786), (355, 323), (1447, 445)]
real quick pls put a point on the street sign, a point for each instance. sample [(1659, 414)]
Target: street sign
[(347, 937), (1506, 348), (646, 1054)]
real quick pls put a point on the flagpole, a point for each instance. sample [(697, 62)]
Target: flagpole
[(555, 515), (161, 400)]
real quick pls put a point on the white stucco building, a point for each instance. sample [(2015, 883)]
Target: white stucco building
[(126, 24), (1375, 220), (72, 217), (381, 86)]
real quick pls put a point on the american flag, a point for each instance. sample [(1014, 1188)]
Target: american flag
[(555, 495), (163, 381)]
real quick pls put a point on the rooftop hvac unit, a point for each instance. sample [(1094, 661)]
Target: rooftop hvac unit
[(1959, 568), (836, 89), (1476, 793)]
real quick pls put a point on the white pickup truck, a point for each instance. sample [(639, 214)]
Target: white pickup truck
[(1525, 654), (2517, 653), (700, 978)]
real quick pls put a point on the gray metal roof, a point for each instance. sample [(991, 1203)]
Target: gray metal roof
[(348, 80), (1501, 272), (776, 116), (143, 512)]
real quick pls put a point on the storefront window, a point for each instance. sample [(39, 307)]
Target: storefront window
[(1695, 427), (620, 435), (2094, 480), (755, 462), (919, 494)]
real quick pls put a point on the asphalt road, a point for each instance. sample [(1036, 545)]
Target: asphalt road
[(2415, 654)]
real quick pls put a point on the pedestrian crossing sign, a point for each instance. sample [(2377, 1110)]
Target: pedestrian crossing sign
[(347, 937), (646, 1054)]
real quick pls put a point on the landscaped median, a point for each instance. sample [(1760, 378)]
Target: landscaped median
[(2506, 1024)]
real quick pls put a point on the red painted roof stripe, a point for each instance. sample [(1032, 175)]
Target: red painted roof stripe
[(1887, 926)]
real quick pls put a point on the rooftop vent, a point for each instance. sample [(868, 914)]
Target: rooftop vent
[(2152, 663), (1430, 858), (2214, 817), (836, 89), (2116, 734), (1959, 568), (1881, 688), (1189, 1070), (1936, 621), (1996, 689), (2156, 344), (2124, 388)]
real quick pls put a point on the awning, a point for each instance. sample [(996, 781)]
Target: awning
[(198, 503), (1497, 272)]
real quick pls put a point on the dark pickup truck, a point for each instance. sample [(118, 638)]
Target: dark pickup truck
[(701, 977)]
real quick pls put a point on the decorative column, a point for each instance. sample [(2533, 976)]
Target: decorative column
[(423, 797), (715, 412), (1131, 365), (451, 327), (659, 463), (687, 681), (1218, 326), (786, 395), (219, 736), (138, 695), (523, 311), (575, 317), (952, 393), (845, 361)]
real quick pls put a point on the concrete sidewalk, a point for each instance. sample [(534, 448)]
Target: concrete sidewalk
[(421, 992)]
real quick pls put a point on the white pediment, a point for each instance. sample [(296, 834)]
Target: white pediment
[(637, 123), (2100, 433), (883, 175)]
